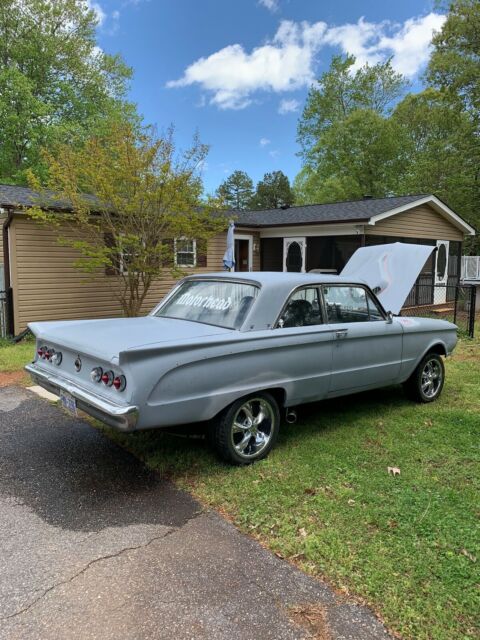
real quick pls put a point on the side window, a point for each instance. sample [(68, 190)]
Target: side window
[(373, 309), (302, 309), (349, 304)]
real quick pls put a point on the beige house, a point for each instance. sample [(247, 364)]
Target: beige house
[(42, 284)]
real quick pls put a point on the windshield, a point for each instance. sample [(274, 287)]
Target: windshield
[(218, 302)]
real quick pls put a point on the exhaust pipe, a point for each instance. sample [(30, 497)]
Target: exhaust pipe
[(291, 416)]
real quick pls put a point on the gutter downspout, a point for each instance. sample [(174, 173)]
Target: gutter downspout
[(6, 270)]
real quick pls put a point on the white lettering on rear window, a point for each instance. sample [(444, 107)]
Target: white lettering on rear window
[(206, 302)]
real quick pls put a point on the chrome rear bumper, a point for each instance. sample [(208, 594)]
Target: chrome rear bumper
[(123, 417)]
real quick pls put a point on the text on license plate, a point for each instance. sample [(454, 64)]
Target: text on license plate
[(68, 402)]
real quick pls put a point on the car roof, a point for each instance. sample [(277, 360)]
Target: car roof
[(277, 278)]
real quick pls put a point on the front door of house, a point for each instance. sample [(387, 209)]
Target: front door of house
[(294, 254), (243, 253)]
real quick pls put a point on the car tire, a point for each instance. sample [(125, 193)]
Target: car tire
[(246, 431), (426, 382)]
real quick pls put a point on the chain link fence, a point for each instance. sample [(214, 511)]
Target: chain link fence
[(452, 301)]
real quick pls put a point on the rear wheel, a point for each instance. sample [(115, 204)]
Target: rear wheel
[(246, 430), (426, 382)]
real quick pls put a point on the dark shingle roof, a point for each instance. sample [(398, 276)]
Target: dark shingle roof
[(353, 211), (15, 196)]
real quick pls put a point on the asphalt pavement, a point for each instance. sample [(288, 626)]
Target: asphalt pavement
[(95, 546)]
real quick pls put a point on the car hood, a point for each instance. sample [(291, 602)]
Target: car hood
[(107, 338), (390, 270)]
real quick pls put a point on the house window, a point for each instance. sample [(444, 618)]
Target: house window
[(125, 257), (185, 252)]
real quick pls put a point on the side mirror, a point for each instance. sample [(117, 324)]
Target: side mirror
[(389, 317)]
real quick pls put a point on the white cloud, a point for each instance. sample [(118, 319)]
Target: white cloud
[(288, 61), (274, 153), (231, 75), (407, 44), (288, 106), (271, 5), (100, 14), (264, 142), (410, 45)]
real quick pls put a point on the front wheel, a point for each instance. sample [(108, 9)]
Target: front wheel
[(246, 430), (426, 382)]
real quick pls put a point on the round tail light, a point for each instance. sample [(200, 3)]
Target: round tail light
[(49, 354), (107, 378), (41, 351), (57, 358), (96, 374), (120, 382)]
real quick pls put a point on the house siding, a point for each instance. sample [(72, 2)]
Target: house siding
[(47, 286), (419, 222)]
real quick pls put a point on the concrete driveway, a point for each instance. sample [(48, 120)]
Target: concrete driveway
[(93, 545)]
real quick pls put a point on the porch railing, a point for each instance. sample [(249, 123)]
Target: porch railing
[(454, 302)]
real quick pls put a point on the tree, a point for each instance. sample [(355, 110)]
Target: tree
[(340, 91), (131, 195), (55, 83), (359, 155), (454, 65), (273, 191), (236, 191), (454, 69), (442, 150)]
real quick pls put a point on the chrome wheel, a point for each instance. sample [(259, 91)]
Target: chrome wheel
[(252, 427), (431, 378)]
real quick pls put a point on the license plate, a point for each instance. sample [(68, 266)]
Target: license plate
[(68, 402)]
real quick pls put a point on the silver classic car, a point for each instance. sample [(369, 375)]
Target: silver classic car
[(238, 349)]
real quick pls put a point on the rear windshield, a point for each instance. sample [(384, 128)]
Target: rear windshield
[(218, 302)]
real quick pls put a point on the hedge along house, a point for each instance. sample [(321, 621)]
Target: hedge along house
[(42, 282)]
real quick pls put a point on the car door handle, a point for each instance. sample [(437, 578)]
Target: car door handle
[(341, 333)]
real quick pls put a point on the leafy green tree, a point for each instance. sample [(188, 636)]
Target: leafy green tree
[(131, 194), (273, 192), (454, 69), (361, 154), (340, 91), (442, 149), (236, 191), (55, 83), (454, 65)]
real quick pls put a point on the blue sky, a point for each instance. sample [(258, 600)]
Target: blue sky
[(239, 71)]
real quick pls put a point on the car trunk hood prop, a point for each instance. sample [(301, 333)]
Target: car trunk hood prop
[(390, 270)]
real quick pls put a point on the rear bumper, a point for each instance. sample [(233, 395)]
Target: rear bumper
[(122, 417)]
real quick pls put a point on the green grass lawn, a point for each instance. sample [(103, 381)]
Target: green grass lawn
[(408, 545), (13, 357)]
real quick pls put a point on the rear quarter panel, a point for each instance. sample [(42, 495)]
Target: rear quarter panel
[(192, 382), (420, 335)]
